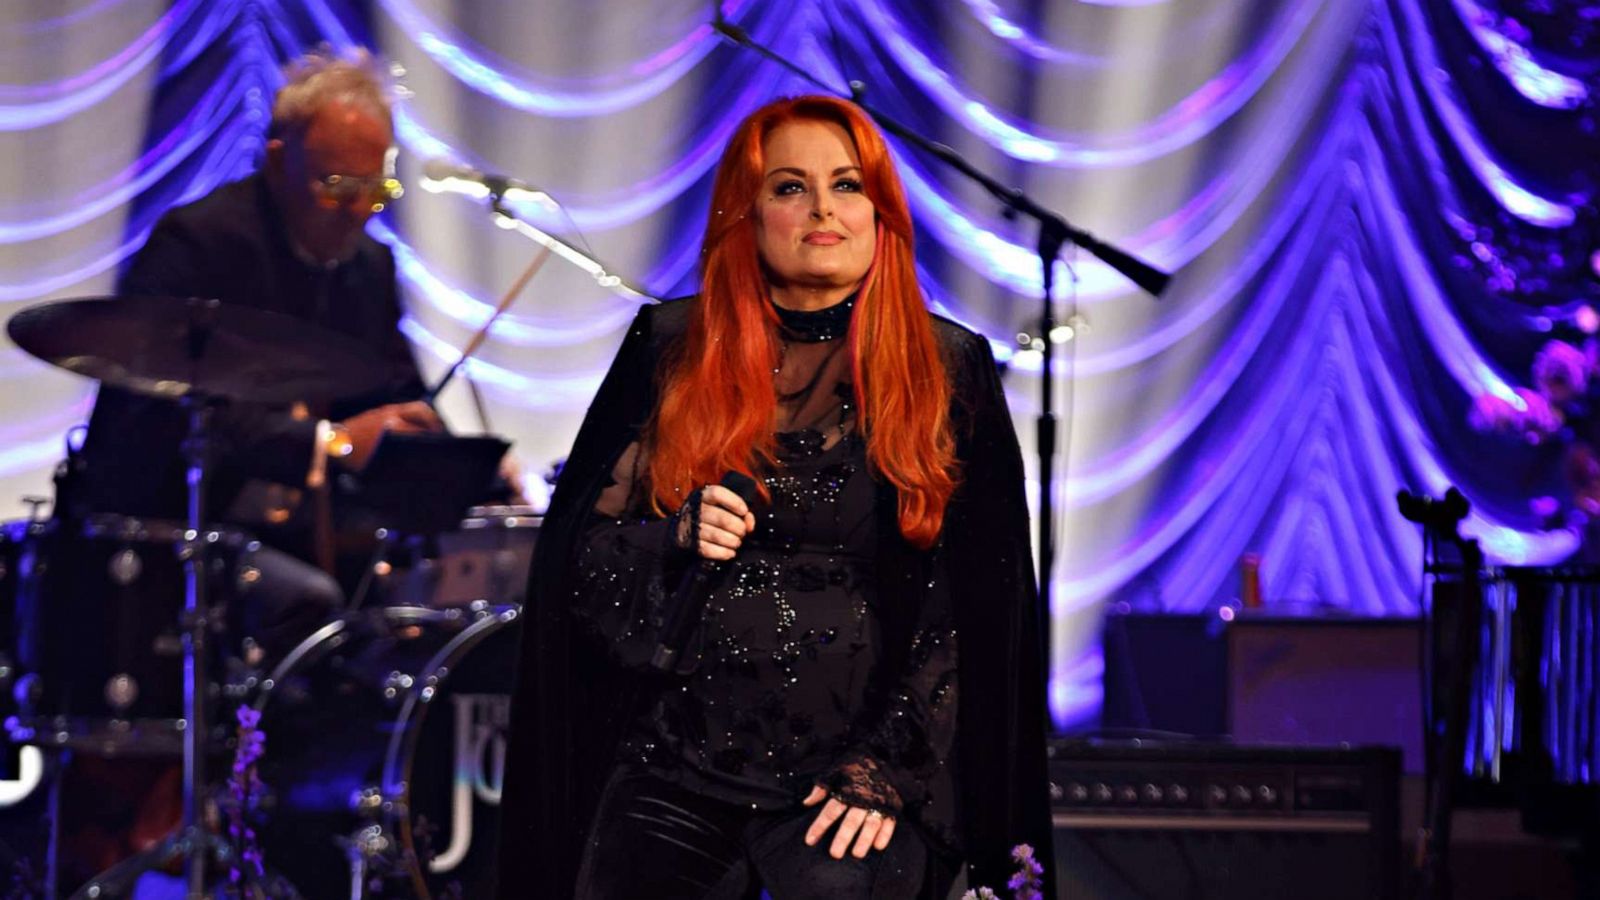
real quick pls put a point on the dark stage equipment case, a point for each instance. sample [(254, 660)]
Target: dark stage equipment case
[(1187, 820)]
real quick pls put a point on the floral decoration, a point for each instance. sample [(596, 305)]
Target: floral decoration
[(1025, 885), (1557, 411)]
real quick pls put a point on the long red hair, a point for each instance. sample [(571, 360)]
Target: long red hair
[(718, 404)]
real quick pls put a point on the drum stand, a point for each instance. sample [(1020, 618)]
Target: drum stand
[(194, 843), (199, 842)]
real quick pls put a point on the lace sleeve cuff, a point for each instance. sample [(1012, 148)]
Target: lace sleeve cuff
[(859, 780), (684, 526)]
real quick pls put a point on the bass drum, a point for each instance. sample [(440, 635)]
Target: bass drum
[(385, 750)]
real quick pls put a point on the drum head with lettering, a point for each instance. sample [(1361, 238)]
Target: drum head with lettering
[(385, 734)]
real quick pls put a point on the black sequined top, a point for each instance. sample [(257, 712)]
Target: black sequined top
[(787, 689)]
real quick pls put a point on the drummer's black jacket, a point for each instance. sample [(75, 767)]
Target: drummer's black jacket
[(231, 245)]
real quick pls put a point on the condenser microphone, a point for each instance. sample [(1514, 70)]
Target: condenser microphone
[(689, 600), (445, 175)]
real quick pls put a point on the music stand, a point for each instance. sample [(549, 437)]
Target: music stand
[(422, 484)]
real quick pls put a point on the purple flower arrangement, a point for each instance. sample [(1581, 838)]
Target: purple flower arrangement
[(1025, 885), (244, 795), (1559, 411)]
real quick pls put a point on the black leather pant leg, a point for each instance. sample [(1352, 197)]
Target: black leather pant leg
[(654, 839), (651, 838)]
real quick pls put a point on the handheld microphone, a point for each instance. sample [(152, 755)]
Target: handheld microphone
[(689, 600), (440, 174)]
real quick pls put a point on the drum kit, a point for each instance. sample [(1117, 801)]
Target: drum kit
[(384, 729)]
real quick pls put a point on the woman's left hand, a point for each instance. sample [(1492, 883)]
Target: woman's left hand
[(869, 828)]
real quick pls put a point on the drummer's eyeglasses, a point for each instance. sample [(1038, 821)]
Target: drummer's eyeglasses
[(334, 191)]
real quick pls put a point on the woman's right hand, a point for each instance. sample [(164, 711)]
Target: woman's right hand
[(725, 520)]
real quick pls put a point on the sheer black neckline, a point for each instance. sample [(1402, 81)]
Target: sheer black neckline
[(815, 325)]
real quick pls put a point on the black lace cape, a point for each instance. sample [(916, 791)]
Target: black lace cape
[(571, 701)]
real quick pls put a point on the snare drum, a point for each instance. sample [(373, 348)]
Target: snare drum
[(487, 558), (388, 728), (98, 643)]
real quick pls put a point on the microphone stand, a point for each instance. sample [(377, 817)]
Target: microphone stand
[(1452, 630), (507, 219), (1054, 233)]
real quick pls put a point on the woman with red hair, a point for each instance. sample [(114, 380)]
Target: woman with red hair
[(857, 707)]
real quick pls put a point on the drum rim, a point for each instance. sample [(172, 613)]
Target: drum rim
[(332, 634), (115, 526), (131, 529), (104, 736), (400, 755), (514, 521)]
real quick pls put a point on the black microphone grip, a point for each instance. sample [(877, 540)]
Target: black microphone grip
[(689, 600)]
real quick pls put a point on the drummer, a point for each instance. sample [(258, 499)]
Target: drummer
[(289, 239)]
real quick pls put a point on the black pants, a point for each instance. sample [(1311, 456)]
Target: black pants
[(653, 839), (290, 599)]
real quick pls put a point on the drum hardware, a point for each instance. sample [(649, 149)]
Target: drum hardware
[(122, 880), (197, 843), (121, 690), (371, 854), (378, 568), (396, 685), (202, 354), (125, 568), (486, 557), (369, 801), (368, 849)]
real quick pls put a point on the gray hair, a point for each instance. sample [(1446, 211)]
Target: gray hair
[(321, 77)]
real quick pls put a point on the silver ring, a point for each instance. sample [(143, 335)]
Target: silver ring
[(874, 814)]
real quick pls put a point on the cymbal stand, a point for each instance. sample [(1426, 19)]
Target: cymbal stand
[(196, 448), (193, 843), (196, 842)]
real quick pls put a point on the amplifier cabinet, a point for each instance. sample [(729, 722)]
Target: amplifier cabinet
[(1263, 678), (1188, 820)]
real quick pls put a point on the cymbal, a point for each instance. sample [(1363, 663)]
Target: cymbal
[(172, 347)]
